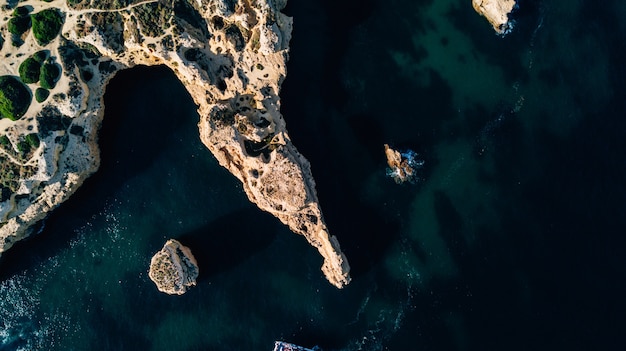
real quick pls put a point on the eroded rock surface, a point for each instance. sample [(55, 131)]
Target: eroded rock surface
[(173, 269), (403, 166), (230, 55), (496, 12)]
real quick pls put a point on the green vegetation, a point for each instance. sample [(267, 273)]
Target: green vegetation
[(15, 97), (27, 145), (20, 22), (32, 140), (21, 11), (51, 119), (29, 71), (46, 25), (154, 18), (49, 74), (23, 147), (19, 25), (40, 56), (108, 25), (41, 94), (4, 141)]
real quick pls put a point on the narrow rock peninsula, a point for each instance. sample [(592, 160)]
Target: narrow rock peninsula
[(497, 13), (58, 56)]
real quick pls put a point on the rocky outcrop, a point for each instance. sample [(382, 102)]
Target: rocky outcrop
[(497, 13), (230, 55), (173, 269), (403, 166)]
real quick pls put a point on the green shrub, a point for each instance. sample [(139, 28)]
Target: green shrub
[(19, 25), (21, 11), (40, 56), (32, 140), (23, 147), (29, 71), (41, 94), (15, 97), (48, 75), (46, 25), (4, 140)]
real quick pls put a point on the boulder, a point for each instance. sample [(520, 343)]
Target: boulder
[(173, 269)]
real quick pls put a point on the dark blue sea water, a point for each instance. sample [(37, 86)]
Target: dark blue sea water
[(514, 239)]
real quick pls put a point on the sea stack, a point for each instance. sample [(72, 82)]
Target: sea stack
[(497, 13), (173, 269), (230, 56), (403, 166)]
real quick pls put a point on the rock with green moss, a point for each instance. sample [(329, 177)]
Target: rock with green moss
[(15, 97)]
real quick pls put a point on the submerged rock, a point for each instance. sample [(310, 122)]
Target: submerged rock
[(403, 166), (173, 269), (497, 13)]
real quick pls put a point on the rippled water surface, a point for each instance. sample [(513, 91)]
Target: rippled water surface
[(513, 239)]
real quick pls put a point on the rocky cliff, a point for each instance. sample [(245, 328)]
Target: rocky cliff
[(497, 13), (58, 56)]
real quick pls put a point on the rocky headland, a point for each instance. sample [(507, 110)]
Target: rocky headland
[(497, 13), (58, 56), (173, 269)]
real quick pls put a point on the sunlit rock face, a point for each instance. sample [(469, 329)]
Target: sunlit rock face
[(173, 269), (402, 166), (497, 13), (231, 57)]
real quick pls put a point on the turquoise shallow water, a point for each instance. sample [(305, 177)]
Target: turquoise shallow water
[(512, 240)]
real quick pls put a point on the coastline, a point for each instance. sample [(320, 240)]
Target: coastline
[(256, 53)]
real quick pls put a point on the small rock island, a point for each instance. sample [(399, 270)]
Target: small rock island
[(59, 55), (402, 166), (173, 269), (497, 13)]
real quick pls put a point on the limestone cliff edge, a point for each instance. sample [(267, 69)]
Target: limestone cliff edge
[(231, 57)]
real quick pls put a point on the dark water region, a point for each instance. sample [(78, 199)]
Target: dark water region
[(513, 240)]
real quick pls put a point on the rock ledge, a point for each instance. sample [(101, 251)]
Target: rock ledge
[(497, 13)]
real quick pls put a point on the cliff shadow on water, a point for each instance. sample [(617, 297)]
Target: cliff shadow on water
[(143, 107), (314, 102), (230, 239)]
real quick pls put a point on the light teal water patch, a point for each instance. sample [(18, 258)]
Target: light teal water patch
[(442, 47)]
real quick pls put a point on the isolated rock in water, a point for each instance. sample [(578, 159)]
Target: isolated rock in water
[(403, 166), (497, 13), (230, 56), (173, 269)]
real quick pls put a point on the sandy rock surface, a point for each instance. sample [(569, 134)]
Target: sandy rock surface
[(496, 12), (173, 269), (230, 56)]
